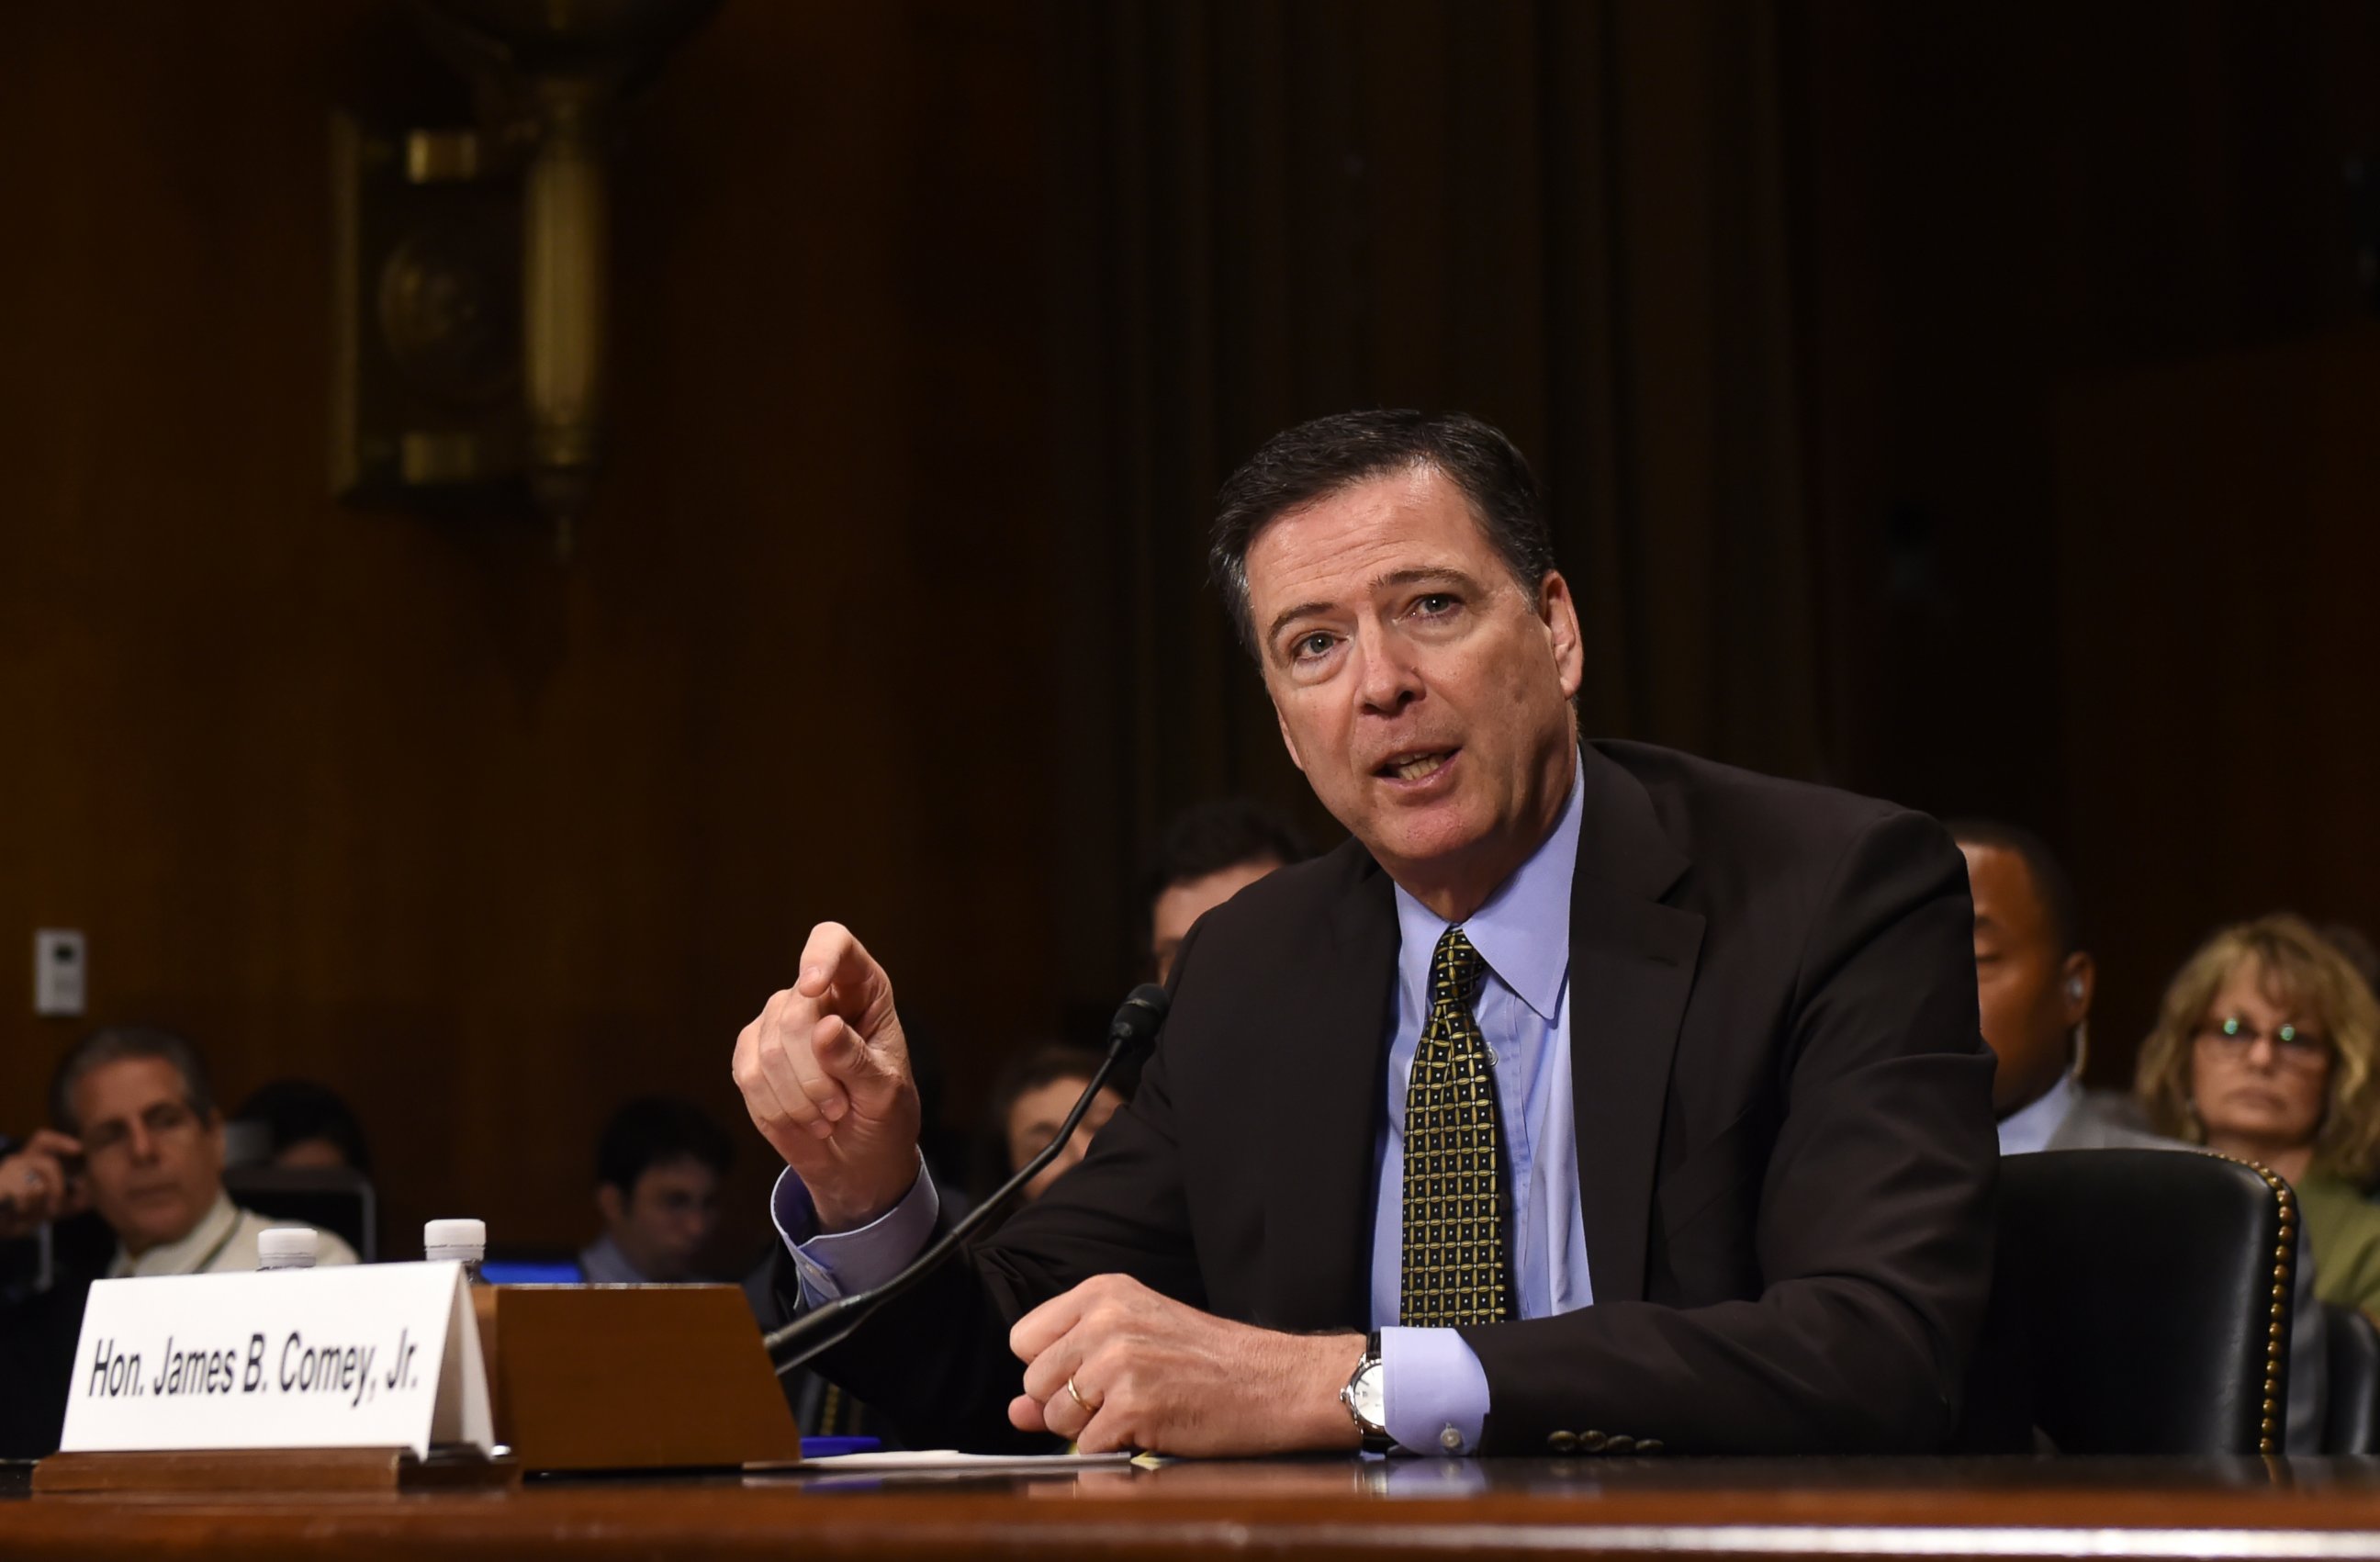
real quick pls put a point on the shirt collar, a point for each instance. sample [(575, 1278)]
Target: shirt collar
[(604, 1263), (2032, 1127), (184, 1255), (1523, 930)]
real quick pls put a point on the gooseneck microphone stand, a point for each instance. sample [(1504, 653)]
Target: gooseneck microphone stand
[(828, 1325)]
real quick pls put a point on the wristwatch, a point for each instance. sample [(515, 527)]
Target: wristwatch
[(1367, 1399)]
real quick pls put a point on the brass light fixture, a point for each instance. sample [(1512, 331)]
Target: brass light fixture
[(472, 262)]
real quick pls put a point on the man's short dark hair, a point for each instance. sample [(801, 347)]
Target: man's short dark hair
[(1319, 458), (654, 1131), (1024, 1073), (293, 1111), (1208, 838), (2051, 885), (117, 1044)]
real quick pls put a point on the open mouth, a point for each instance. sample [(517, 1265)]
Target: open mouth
[(1415, 766)]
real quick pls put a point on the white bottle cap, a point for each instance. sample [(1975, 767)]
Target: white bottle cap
[(286, 1247), (450, 1240)]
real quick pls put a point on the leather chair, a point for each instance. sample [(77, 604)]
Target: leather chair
[(2140, 1305), (2351, 1414)]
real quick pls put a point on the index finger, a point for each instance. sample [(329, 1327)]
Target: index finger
[(835, 968), (1045, 1325), (51, 1142)]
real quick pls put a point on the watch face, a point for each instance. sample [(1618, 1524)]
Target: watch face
[(1369, 1398)]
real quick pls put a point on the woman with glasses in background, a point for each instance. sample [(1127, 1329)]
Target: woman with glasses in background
[(2266, 1049)]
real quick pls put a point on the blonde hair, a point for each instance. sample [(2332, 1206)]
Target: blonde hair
[(2298, 967)]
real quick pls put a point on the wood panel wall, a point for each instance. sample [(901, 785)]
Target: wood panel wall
[(935, 319), (486, 841)]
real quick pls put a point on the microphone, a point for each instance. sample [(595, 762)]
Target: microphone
[(830, 1323)]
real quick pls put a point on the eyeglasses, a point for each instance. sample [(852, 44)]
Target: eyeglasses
[(2234, 1037)]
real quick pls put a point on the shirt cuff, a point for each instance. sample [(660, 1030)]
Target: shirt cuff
[(1435, 1389), (845, 1262)]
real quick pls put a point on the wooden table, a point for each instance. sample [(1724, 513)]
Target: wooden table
[(1320, 1508)]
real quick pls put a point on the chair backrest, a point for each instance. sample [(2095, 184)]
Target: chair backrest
[(334, 1199), (2351, 1414), (2140, 1305)]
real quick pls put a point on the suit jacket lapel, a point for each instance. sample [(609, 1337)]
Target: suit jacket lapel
[(1323, 1146), (1632, 967)]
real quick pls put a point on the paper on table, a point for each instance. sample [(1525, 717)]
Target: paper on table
[(950, 1459)]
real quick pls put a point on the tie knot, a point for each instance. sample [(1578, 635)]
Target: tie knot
[(1455, 969)]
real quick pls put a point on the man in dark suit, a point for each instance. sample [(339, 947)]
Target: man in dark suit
[(1631, 1102)]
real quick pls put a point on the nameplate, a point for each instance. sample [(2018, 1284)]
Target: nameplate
[(379, 1355)]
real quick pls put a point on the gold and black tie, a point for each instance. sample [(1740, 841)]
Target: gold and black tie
[(1455, 1268)]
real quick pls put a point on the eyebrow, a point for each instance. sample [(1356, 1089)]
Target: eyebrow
[(1422, 576)]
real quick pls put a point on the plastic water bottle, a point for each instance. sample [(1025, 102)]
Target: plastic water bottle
[(286, 1247), (457, 1241)]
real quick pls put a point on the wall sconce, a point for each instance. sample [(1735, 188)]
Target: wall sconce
[(471, 289)]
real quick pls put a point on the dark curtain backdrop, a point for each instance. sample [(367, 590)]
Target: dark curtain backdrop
[(1568, 218)]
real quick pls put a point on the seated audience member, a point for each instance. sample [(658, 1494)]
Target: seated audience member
[(657, 1172), (306, 1125), (2035, 982), (2264, 1049), (1208, 853), (137, 1102), (1029, 1100)]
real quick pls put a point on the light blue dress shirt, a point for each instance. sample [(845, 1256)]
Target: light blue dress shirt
[(1436, 1391), (2030, 1129)]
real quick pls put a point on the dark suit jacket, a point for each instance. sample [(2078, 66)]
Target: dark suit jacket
[(1785, 1140)]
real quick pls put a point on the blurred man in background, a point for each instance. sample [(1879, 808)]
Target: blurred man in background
[(1029, 1100), (138, 1101), (305, 1125), (657, 1171), (136, 1107), (2034, 980), (1207, 853)]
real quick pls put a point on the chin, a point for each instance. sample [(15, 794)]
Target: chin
[(1440, 836)]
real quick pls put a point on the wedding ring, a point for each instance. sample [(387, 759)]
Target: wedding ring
[(1077, 1396)]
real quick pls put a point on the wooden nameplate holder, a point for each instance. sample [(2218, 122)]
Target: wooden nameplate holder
[(579, 1378), (274, 1469), (631, 1377)]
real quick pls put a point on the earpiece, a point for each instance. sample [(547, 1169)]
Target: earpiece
[(2074, 988)]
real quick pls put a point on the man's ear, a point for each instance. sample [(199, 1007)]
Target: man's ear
[(610, 1205), (2078, 979), (1560, 616)]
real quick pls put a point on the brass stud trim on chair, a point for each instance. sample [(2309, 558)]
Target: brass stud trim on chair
[(2276, 1333)]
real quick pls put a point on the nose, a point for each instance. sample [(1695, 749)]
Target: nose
[(2264, 1051), (1388, 682), (142, 1146)]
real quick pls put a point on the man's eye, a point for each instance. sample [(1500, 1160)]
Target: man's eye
[(1315, 644), (1434, 605)]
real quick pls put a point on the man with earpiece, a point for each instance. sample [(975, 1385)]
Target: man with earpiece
[(2034, 979)]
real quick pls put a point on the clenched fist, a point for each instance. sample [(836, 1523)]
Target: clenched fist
[(825, 1074)]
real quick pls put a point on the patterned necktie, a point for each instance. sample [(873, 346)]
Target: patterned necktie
[(1455, 1268)]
